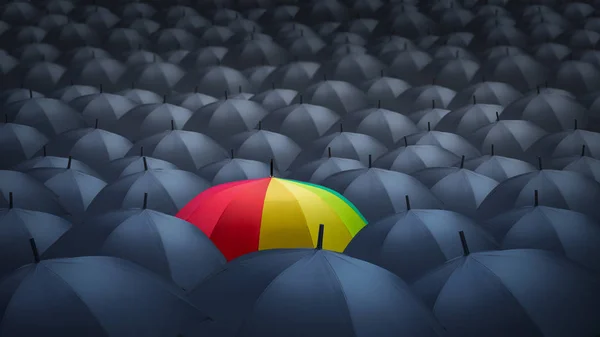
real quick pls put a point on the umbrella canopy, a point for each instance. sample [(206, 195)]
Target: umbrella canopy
[(520, 71), (449, 141), (70, 287), (560, 189), (341, 97), (466, 120), (384, 91), (423, 97), (413, 158), (427, 119), (565, 232), (214, 81), (250, 215), (566, 144), (295, 76), (28, 193), (19, 143), (414, 242), (17, 227), (498, 168), (386, 126), (183, 254), (587, 166), (379, 193), (275, 98), (13, 95), (234, 169), (187, 150), (460, 189), (191, 100), (96, 72), (328, 289), (55, 162), (265, 146), (141, 96), (527, 293), (318, 170), (71, 92), (105, 108), (48, 115), (147, 120), (119, 168), (168, 191)]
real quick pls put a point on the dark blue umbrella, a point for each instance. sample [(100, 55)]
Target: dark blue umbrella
[(17, 227), (18, 143), (380, 193), (565, 232), (265, 146), (55, 162), (168, 190), (166, 245), (187, 150), (147, 120), (587, 166), (527, 293), (191, 100), (566, 144), (275, 98), (414, 242), (29, 193), (318, 170), (427, 119), (413, 158), (130, 300), (105, 108), (71, 92), (119, 168), (386, 126), (48, 115), (327, 290), (92, 146), (14, 95), (498, 168), (466, 120), (341, 97), (235, 169), (423, 97), (449, 141), (560, 189), (460, 189), (213, 81), (141, 96), (96, 72), (295, 76), (384, 91)]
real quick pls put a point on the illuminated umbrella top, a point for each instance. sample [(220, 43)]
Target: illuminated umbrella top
[(245, 216)]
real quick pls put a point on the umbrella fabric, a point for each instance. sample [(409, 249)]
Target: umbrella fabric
[(147, 120), (341, 97), (48, 115), (498, 168), (468, 119), (449, 141), (28, 193), (416, 241), (71, 92), (235, 169), (510, 138), (427, 119), (566, 144), (17, 227), (18, 143), (119, 168), (386, 126), (329, 291), (295, 76), (413, 158), (265, 146), (250, 215), (55, 162), (527, 293), (318, 170), (105, 108), (423, 97), (587, 166), (63, 299), (163, 244)]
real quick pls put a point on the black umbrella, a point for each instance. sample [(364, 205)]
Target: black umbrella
[(28, 193), (587, 166), (412, 158), (157, 77), (18, 226), (379, 193), (255, 52), (49, 116), (354, 68), (577, 77), (55, 162), (413, 242), (13, 95), (103, 108), (147, 120), (265, 146), (191, 101), (485, 93), (183, 255), (407, 65), (386, 126), (497, 167), (98, 72), (384, 91), (316, 280), (173, 38), (419, 98), (40, 76), (18, 143), (528, 293), (468, 119), (169, 191), (449, 141), (82, 54), (213, 81), (70, 286), (34, 52), (520, 71), (275, 98), (427, 119), (139, 58), (341, 97), (141, 96), (455, 74), (551, 54), (318, 170), (92, 146), (73, 34), (235, 169), (225, 118), (71, 92), (296, 76), (566, 144), (204, 57)]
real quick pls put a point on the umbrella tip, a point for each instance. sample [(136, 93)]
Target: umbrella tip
[(10, 200), (405, 141), (575, 125), (96, 124), (540, 163), (465, 246), (329, 152), (69, 162), (34, 250), (428, 126), (370, 161), (536, 199), (407, 200), (271, 168), (320, 237), (172, 125), (583, 150), (44, 150), (145, 202), (141, 151), (497, 116), (492, 149), (379, 104), (145, 163), (462, 161)]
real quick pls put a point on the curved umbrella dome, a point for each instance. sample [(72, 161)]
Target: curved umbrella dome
[(268, 213)]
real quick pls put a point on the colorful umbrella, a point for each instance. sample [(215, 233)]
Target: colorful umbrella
[(245, 216)]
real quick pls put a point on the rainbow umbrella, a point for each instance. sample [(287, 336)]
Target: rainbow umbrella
[(267, 213)]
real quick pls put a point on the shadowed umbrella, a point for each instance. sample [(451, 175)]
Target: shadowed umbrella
[(384, 91), (455, 74), (379, 193), (183, 254), (295, 76), (14, 95), (255, 52), (328, 291), (157, 77), (520, 71), (40, 76), (147, 120), (187, 150), (69, 286), (264, 146), (587, 166), (191, 101), (275, 98), (354, 68), (103, 108), (49, 116), (28, 193), (527, 293), (17, 226), (122, 167), (466, 120), (413, 158), (413, 242), (235, 169), (204, 57), (423, 97), (407, 65), (71, 92), (497, 167), (18, 143), (427, 119), (55, 162), (566, 144), (213, 81), (256, 76), (386, 126), (341, 97), (449, 141), (318, 170)]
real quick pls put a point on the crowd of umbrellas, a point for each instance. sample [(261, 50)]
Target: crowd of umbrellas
[(466, 132)]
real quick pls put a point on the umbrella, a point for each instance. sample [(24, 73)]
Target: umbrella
[(344, 145), (328, 289), (460, 189), (562, 231), (427, 119), (455, 74), (407, 64), (157, 76), (354, 68), (587, 166), (413, 158), (341, 97), (122, 167), (184, 254), (449, 141), (145, 26), (18, 226), (33, 52), (213, 81), (13, 95), (48, 115), (225, 118), (204, 57), (468, 119), (306, 48), (520, 71), (527, 293), (55, 162), (186, 149), (418, 98), (275, 98), (19, 12), (40, 76), (386, 126), (379, 193), (414, 242), (141, 96), (103, 108), (18, 143), (147, 120), (264, 146), (191, 101), (75, 189), (510, 138), (485, 93), (578, 77), (28, 193), (497, 167), (318, 170), (384, 91), (560, 189), (139, 59), (216, 35), (256, 75), (97, 72), (255, 52), (71, 92), (552, 54), (566, 144), (70, 286), (92, 146), (169, 191), (83, 54), (234, 169), (295, 76), (174, 38)]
